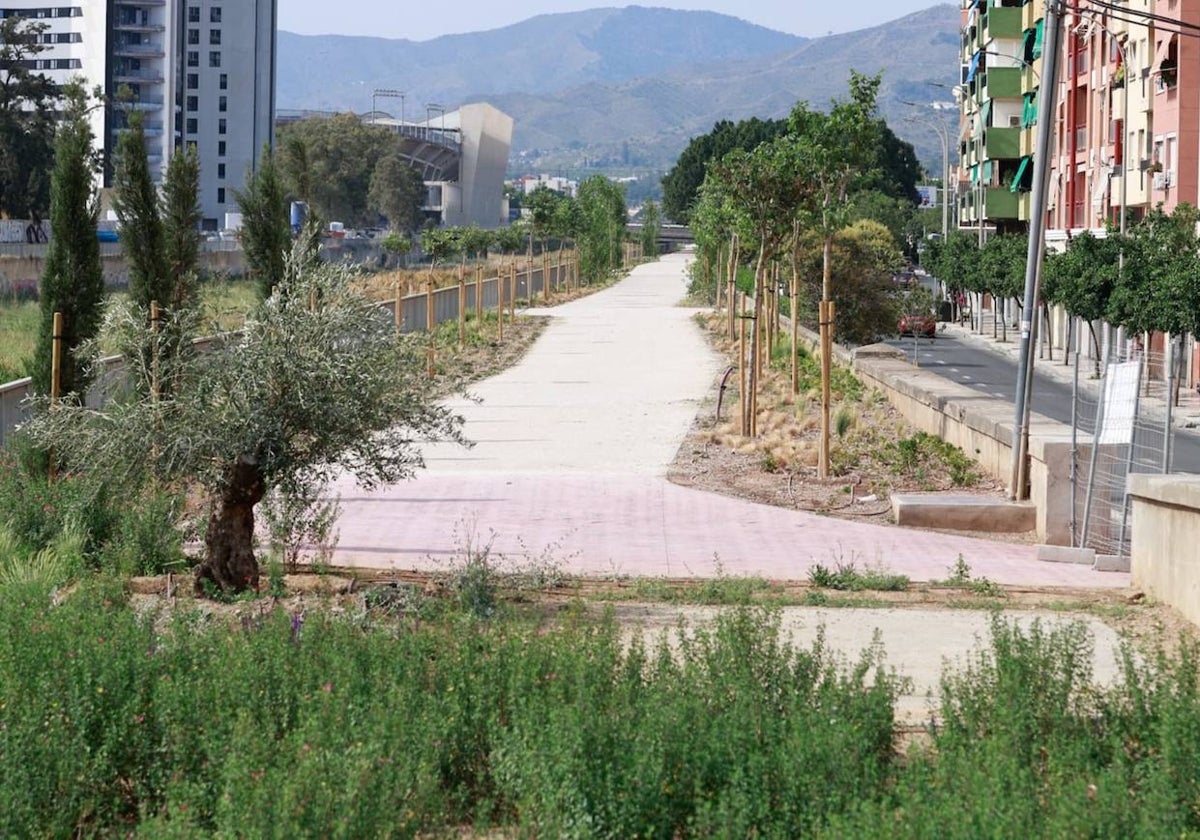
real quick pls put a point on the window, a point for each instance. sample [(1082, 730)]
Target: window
[(214, 59), (193, 14), (224, 81), (214, 14), (214, 37), (221, 170), (221, 148), (193, 103), (193, 81), (221, 126), (220, 195), (193, 58), (191, 125), (223, 104), (193, 36)]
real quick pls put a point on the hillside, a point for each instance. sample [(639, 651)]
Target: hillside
[(539, 55), (628, 87)]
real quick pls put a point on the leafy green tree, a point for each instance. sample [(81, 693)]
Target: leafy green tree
[(135, 200), (440, 244), (1083, 278), (650, 229), (1002, 273), (181, 217), (266, 229), (542, 204), (713, 224), (335, 169), (27, 114), (73, 279), (864, 257), (300, 395), (397, 193), (1160, 287), (510, 239), (568, 220), (475, 242), (602, 213), (955, 262), (682, 183), (397, 244)]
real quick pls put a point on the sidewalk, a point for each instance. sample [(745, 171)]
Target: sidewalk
[(573, 445), (1185, 415)]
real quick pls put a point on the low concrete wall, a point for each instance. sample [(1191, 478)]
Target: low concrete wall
[(27, 269), (983, 428), (1166, 530)]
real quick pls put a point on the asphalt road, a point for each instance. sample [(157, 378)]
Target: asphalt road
[(996, 375)]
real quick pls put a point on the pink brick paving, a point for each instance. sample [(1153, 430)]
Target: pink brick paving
[(572, 447)]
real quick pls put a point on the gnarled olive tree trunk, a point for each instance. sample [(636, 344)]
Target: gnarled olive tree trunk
[(229, 562)]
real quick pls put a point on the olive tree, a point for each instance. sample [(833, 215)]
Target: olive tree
[(300, 395)]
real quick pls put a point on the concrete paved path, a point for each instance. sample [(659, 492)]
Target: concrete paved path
[(572, 448)]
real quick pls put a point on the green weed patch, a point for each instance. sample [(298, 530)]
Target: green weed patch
[(388, 722)]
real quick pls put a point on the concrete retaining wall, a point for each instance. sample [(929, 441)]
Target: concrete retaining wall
[(1166, 530), (983, 428)]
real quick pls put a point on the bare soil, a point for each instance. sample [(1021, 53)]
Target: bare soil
[(875, 454)]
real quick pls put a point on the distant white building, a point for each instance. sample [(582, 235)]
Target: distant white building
[(566, 186), (202, 72)]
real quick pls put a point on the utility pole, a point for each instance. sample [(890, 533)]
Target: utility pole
[(1048, 93)]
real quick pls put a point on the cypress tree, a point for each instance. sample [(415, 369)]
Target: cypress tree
[(266, 231), (181, 227), (72, 280), (135, 201)]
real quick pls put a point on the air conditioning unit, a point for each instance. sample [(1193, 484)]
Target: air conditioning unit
[(1160, 180), (1014, 121), (1145, 163)]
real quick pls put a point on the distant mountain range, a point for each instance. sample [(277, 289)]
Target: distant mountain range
[(629, 87)]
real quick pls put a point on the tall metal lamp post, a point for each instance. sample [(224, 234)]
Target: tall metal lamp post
[(944, 137), (1048, 92)]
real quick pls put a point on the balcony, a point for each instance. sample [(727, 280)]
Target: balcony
[(138, 77), (1001, 83), (1003, 22), (1000, 203), (138, 51), (134, 26), (1001, 143), (143, 103)]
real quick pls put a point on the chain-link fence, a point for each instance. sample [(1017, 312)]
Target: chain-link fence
[(1137, 399)]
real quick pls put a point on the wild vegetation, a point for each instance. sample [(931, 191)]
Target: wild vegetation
[(406, 714)]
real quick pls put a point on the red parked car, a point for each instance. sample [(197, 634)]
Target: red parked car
[(918, 325)]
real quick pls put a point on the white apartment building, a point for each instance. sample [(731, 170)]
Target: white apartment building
[(202, 72)]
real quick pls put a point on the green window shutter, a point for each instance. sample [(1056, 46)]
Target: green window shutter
[(1020, 176), (1037, 39), (1027, 38), (1029, 111)]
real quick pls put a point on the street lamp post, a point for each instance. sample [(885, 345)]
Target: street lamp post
[(1048, 91), (944, 137)]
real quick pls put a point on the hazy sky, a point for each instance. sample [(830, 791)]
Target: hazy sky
[(422, 20)]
